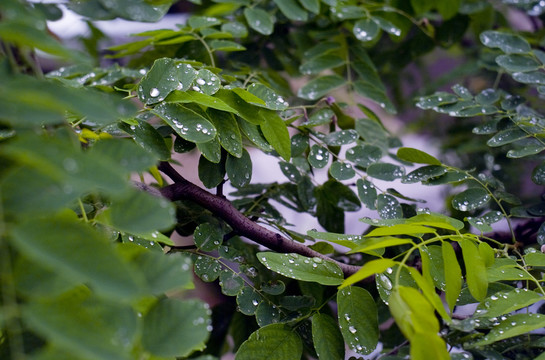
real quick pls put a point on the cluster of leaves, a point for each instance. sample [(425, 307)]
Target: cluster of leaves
[(88, 267)]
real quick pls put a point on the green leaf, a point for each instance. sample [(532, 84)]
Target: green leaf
[(292, 10), (517, 62), (207, 268), (508, 43), (364, 155), (206, 82), (125, 154), (538, 174), (367, 193), (385, 171), (228, 132), (370, 244), (358, 319), (535, 258), (148, 138), (164, 77), (187, 123), (73, 249), (341, 171), (290, 171), (267, 314), (453, 275), (276, 132), (244, 103), (136, 10), (369, 268), (448, 9), (429, 346), (199, 22), (226, 45), (388, 207), (208, 237), (303, 268), (532, 77), (328, 340), (211, 150), (424, 173), (343, 137), (320, 117), (231, 283), (476, 277), (412, 312), (506, 137), (470, 199), (248, 300), (210, 174), (515, 325), (141, 213), (92, 328), (320, 63), (176, 328), (165, 272), (272, 342), (319, 87), (505, 302), (259, 20), (253, 134), (378, 95), (365, 30), (184, 97), (271, 100), (416, 156), (387, 26), (239, 170), (318, 156), (235, 28)]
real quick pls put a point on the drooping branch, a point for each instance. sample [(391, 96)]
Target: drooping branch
[(221, 207)]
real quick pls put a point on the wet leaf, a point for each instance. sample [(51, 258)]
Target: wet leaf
[(239, 170), (365, 30), (514, 325), (231, 283), (508, 43), (378, 95), (318, 156), (532, 77), (517, 63), (276, 132), (388, 207), (368, 269), (208, 101), (387, 26), (226, 45), (343, 137), (271, 99), (148, 138), (416, 156), (505, 302), (320, 63), (358, 319), (206, 82), (292, 10), (341, 171), (364, 155), (165, 76), (290, 171), (487, 97), (453, 275), (538, 174), (228, 132), (470, 199), (320, 87), (187, 123), (211, 150), (272, 342), (367, 193), (401, 229), (210, 174), (320, 117), (302, 268), (235, 28), (506, 137), (476, 276), (207, 268), (248, 300), (385, 171), (208, 237), (423, 174), (328, 340), (259, 20)]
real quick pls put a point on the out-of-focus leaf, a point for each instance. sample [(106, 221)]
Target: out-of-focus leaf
[(259, 20), (320, 87)]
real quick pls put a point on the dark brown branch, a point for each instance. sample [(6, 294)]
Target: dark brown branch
[(221, 207)]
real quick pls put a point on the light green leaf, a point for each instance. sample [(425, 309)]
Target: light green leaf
[(272, 342), (239, 170), (416, 156), (515, 325), (320, 87), (244, 103), (341, 171), (303, 268), (292, 10), (535, 259), (320, 63), (429, 345), (187, 123), (276, 132), (470, 199), (141, 213), (176, 328), (505, 302), (311, 5), (370, 244), (259, 20), (253, 134), (184, 97), (369, 268), (235, 28), (385, 171), (476, 277), (328, 340), (400, 229), (508, 43), (74, 249), (358, 319), (365, 30), (453, 275)]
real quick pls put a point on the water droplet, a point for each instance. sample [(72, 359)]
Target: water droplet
[(154, 92), (352, 329)]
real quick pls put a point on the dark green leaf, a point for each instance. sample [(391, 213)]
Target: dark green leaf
[(210, 174), (302, 268), (516, 63), (164, 77), (320, 63), (311, 5), (358, 319), (372, 92), (199, 22), (292, 10), (523, 324), (341, 171), (165, 272), (290, 171), (328, 340), (226, 45), (508, 43), (184, 97), (211, 150), (239, 170), (176, 328), (148, 138), (388, 207), (506, 137), (187, 123), (259, 20), (228, 132), (416, 156), (318, 156), (538, 174), (231, 283), (207, 268), (208, 237), (320, 87), (366, 30), (343, 137), (385, 171), (271, 100), (470, 199), (207, 82), (367, 193), (248, 300), (364, 155), (505, 302)]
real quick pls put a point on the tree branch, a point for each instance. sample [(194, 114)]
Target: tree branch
[(221, 207)]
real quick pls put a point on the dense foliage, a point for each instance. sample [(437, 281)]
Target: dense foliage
[(91, 201)]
